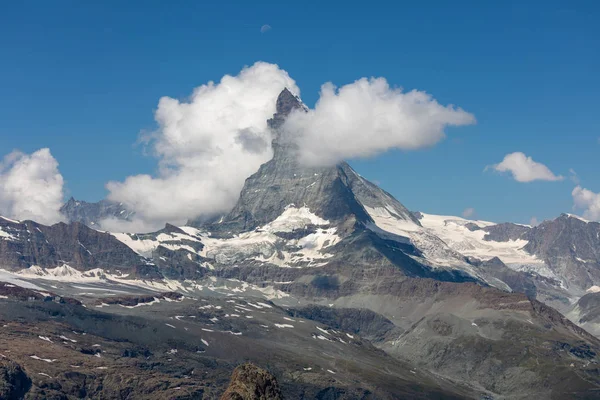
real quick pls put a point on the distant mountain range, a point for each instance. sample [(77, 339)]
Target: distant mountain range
[(460, 308)]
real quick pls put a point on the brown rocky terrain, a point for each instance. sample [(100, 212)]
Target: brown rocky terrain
[(249, 382)]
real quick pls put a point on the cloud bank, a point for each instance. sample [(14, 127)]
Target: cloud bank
[(206, 147), (31, 187), (587, 201), (368, 117), (524, 169)]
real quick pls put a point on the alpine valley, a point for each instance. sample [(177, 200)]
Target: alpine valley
[(317, 276)]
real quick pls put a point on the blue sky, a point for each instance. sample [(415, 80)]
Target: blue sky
[(84, 78)]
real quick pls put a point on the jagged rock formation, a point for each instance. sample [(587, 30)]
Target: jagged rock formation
[(27, 243), (249, 382), (570, 247), (14, 382), (92, 214)]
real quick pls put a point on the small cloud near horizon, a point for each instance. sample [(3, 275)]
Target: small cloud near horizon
[(534, 221), (265, 28), (468, 212)]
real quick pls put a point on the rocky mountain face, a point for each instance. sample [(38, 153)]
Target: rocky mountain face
[(561, 255), (570, 247), (318, 275), (92, 214), (27, 243), (586, 312)]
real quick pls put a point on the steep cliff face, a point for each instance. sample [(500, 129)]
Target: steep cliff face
[(27, 243)]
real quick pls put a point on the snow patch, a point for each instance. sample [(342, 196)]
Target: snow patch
[(43, 359), (284, 325), (593, 289), (294, 218)]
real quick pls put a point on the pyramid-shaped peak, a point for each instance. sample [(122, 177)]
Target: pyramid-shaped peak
[(287, 101)]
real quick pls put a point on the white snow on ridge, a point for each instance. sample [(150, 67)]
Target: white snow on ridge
[(387, 221), (294, 218), (577, 217), (260, 244), (10, 220), (6, 235), (10, 277), (444, 240), (436, 252), (66, 273), (452, 230), (145, 247), (243, 246)]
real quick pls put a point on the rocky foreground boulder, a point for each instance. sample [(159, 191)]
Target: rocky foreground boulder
[(249, 382), (14, 382)]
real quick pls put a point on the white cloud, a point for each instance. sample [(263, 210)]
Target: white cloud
[(468, 212), (368, 117), (31, 187), (206, 147), (573, 176), (265, 28), (524, 169), (534, 221), (588, 201)]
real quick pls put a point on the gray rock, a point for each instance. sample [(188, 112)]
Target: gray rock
[(92, 214), (76, 245), (505, 232), (571, 249)]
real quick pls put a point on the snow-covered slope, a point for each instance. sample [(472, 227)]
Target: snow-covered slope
[(469, 242), (267, 244)]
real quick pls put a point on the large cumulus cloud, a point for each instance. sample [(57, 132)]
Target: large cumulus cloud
[(368, 117), (206, 147), (31, 187)]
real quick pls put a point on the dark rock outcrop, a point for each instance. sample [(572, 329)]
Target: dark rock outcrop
[(505, 232), (14, 382), (249, 382)]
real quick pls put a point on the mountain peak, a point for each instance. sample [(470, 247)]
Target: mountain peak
[(287, 102)]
